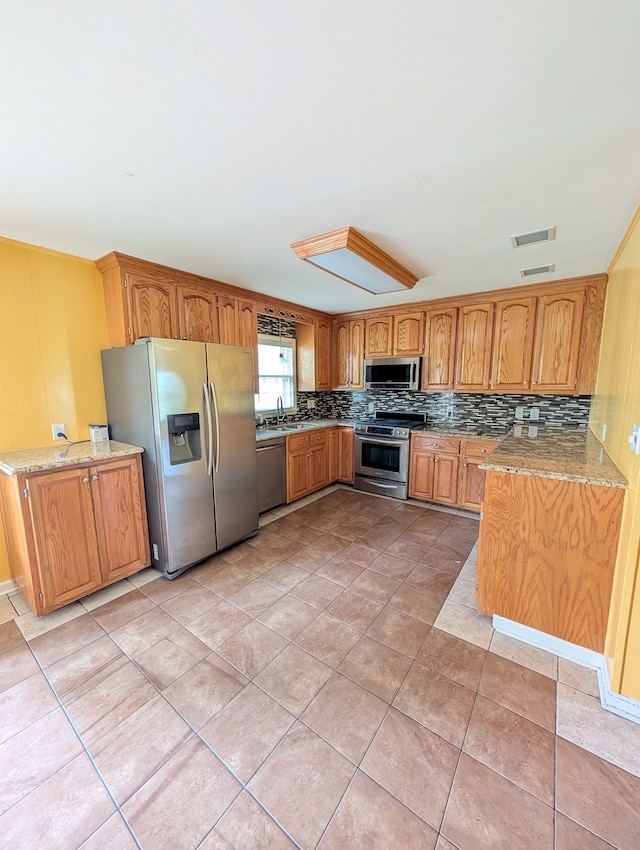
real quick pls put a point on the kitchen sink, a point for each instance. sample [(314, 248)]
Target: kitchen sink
[(297, 427)]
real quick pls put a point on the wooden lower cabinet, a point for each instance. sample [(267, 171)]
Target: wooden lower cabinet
[(318, 458), (547, 553), (433, 469), (470, 478), (75, 529), (445, 470)]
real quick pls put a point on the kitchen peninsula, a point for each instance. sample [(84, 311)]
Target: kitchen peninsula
[(549, 533)]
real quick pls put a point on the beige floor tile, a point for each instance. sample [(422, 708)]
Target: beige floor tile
[(106, 594), (252, 648), (246, 730), (369, 818), (301, 783), (83, 669), (180, 804), (112, 835), (487, 812), (328, 639), (7, 611), (216, 626), (32, 626), (571, 836), (138, 635), (599, 796), (346, 715), (520, 689), (288, 616), (117, 612), (582, 719), (417, 603), (464, 623), (143, 577), (399, 631), (413, 764), (201, 692), (354, 609), (191, 603), (453, 657), (293, 678), (17, 664), (576, 676), (166, 661), (317, 591), (133, 751), (66, 639), (24, 703), (246, 826), (376, 667), (67, 809), (464, 592), (525, 654), (19, 603), (10, 636)]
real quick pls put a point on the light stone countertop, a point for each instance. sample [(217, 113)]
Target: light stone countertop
[(55, 457), (435, 429), (565, 454), (267, 433)]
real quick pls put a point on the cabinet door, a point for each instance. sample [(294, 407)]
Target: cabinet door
[(153, 307), (379, 339), (445, 479), (421, 468), (64, 530), (198, 315), (557, 343), (440, 350), (228, 320), (408, 335), (513, 345), (346, 455), (247, 324), (470, 485), (341, 355), (473, 347), (356, 357), (120, 517), (318, 466), (323, 355)]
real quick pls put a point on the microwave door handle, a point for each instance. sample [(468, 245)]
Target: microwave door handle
[(413, 374)]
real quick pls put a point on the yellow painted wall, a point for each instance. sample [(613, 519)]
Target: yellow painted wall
[(617, 404), (52, 327)]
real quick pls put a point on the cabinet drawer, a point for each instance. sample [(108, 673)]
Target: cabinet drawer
[(435, 444), (297, 441), (477, 448), (318, 438)]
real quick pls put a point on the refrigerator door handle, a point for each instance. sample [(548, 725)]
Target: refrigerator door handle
[(207, 406), (214, 398)]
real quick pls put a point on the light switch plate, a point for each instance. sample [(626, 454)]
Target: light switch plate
[(520, 411), (634, 440), (534, 414)]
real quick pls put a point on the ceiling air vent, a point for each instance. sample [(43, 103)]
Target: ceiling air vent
[(538, 270), (535, 236)]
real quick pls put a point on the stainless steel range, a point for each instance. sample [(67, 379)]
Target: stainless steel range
[(382, 452)]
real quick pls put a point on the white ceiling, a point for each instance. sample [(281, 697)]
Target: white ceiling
[(208, 135)]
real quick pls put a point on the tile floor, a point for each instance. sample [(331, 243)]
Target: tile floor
[(327, 684)]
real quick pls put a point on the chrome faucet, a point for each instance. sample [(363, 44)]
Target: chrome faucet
[(280, 417)]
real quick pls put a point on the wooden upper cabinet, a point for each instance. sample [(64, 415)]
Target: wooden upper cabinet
[(313, 354), (513, 345), (557, 343), (379, 337), (348, 354), (198, 314), (408, 334), (401, 335), (228, 320), (473, 349), (440, 350), (153, 307)]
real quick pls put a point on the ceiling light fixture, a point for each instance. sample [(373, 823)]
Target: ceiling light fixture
[(538, 270), (534, 236), (348, 255)]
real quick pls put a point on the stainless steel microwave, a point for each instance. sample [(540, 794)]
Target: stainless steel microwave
[(392, 373)]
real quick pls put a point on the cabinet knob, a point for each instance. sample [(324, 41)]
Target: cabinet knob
[(465, 464), (525, 383), (533, 383), (94, 477), (85, 480)]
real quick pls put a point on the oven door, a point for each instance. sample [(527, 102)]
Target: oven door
[(377, 457)]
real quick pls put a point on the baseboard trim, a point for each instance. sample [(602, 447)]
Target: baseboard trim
[(610, 700), (7, 587)]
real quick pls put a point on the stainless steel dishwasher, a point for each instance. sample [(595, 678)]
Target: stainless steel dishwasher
[(272, 473)]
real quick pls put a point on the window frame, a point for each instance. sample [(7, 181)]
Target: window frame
[(278, 342)]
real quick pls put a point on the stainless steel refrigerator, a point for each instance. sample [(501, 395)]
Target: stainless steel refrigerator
[(190, 405)]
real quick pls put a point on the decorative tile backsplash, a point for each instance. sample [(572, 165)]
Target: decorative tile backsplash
[(461, 408), (273, 326)]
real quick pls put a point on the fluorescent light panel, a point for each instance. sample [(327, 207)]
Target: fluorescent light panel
[(350, 256), (533, 237)]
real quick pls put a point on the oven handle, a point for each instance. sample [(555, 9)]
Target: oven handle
[(381, 485), (378, 441)]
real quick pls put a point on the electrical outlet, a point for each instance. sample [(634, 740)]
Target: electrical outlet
[(520, 412), (57, 428), (311, 403), (449, 411), (534, 414), (634, 440), (371, 407)]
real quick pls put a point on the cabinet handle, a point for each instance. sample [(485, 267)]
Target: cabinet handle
[(85, 480), (94, 477)]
